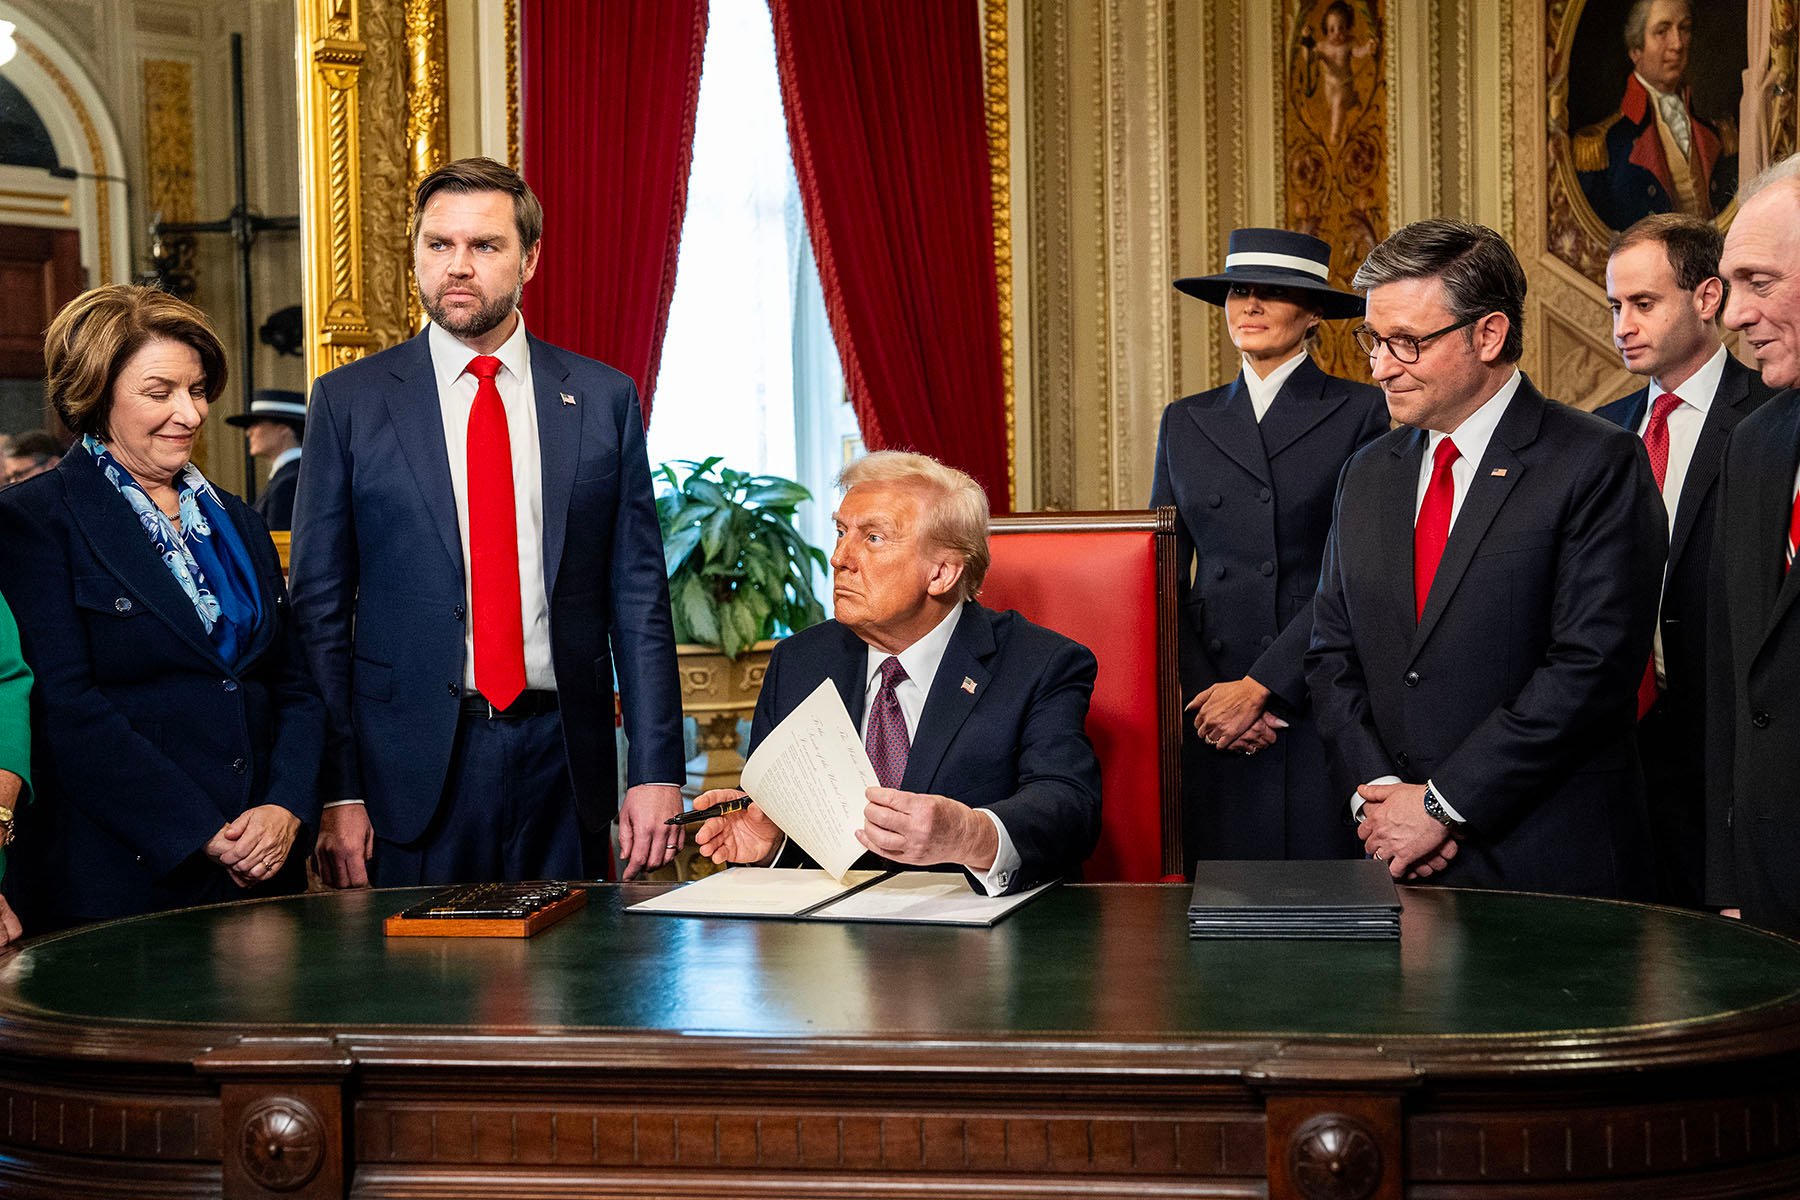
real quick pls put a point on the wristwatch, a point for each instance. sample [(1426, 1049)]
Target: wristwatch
[(1434, 808), (6, 826)]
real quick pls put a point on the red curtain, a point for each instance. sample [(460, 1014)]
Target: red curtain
[(608, 113), (885, 112)]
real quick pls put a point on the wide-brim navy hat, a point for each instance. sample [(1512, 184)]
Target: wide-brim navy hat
[(273, 404), (1276, 258)]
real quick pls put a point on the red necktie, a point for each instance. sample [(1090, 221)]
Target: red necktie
[(1433, 527), (887, 741), (1656, 445), (493, 545), (1793, 534)]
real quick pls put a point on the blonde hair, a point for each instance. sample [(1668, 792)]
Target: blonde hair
[(97, 332), (957, 508)]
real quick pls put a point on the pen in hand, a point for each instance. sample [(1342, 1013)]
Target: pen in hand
[(707, 814)]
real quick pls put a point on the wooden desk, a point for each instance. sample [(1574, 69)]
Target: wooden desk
[(1508, 1045)]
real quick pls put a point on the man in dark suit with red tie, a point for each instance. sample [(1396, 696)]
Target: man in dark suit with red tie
[(1664, 289), (1753, 732), (476, 552), (1488, 595)]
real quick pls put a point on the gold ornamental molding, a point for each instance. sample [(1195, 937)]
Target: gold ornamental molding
[(35, 204), (331, 58), (513, 158), (90, 133), (999, 134), (427, 110)]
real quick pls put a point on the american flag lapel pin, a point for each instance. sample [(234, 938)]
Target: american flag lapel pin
[(1498, 472), (566, 398), (968, 685)]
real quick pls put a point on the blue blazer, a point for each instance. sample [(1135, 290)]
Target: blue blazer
[(144, 742), (1516, 692), (1016, 744), (377, 579)]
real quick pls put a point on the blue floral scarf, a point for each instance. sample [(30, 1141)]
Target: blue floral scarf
[(206, 555)]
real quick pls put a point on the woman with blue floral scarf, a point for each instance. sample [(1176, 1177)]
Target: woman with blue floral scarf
[(175, 728)]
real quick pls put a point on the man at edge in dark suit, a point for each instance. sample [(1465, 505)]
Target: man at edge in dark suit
[(476, 552), (1753, 647), (974, 720), (1488, 595), (1664, 289)]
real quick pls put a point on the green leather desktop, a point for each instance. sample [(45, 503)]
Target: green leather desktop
[(1506, 1045)]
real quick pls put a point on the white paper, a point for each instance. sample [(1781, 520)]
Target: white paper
[(753, 892), (925, 897), (809, 775)]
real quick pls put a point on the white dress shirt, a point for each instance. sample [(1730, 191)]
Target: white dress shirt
[(456, 396), (1471, 438), (1263, 391), (921, 661), (1685, 422), (283, 459)]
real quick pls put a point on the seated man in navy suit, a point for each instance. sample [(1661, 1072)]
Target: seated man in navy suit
[(973, 719)]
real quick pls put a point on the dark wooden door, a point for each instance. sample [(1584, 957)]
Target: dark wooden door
[(40, 271)]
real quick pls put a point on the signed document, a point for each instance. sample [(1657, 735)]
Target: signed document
[(903, 897), (809, 774)]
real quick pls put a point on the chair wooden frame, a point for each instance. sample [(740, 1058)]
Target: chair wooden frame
[(1160, 523)]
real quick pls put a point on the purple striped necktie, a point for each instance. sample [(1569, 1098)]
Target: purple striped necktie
[(886, 739)]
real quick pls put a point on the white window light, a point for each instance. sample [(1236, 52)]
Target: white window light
[(8, 47)]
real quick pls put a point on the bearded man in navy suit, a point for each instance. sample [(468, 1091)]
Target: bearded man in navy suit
[(476, 553), (974, 720), (1488, 594)]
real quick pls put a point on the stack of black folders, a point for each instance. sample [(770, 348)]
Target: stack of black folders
[(1338, 900)]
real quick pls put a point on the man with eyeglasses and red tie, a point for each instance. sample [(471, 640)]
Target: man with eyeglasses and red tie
[(1488, 595), (1753, 647)]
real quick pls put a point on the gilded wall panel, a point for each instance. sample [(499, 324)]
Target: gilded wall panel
[(1335, 144), (387, 172), (169, 139)]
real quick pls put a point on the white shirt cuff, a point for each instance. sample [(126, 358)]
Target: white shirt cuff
[(1006, 859), (1356, 800), (339, 803), (1445, 801)]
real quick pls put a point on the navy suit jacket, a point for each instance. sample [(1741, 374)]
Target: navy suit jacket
[(276, 503), (1016, 744), (145, 742), (1688, 577), (1753, 736), (1516, 692), (377, 579)]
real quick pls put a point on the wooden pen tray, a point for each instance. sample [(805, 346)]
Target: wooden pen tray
[(539, 917)]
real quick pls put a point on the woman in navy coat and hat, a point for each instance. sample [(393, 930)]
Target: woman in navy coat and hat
[(1251, 468)]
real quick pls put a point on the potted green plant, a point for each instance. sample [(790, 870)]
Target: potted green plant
[(739, 573)]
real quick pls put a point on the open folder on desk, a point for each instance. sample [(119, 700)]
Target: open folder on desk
[(907, 897)]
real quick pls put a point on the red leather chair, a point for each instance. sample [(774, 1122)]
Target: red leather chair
[(1107, 579)]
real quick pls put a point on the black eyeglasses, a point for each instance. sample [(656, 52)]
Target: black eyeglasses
[(1404, 346)]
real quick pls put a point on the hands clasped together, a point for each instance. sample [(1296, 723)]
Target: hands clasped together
[(254, 846), (1397, 830), (906, 827), (1234, 716)]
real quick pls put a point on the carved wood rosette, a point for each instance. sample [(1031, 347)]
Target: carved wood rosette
[(1335, 141)]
